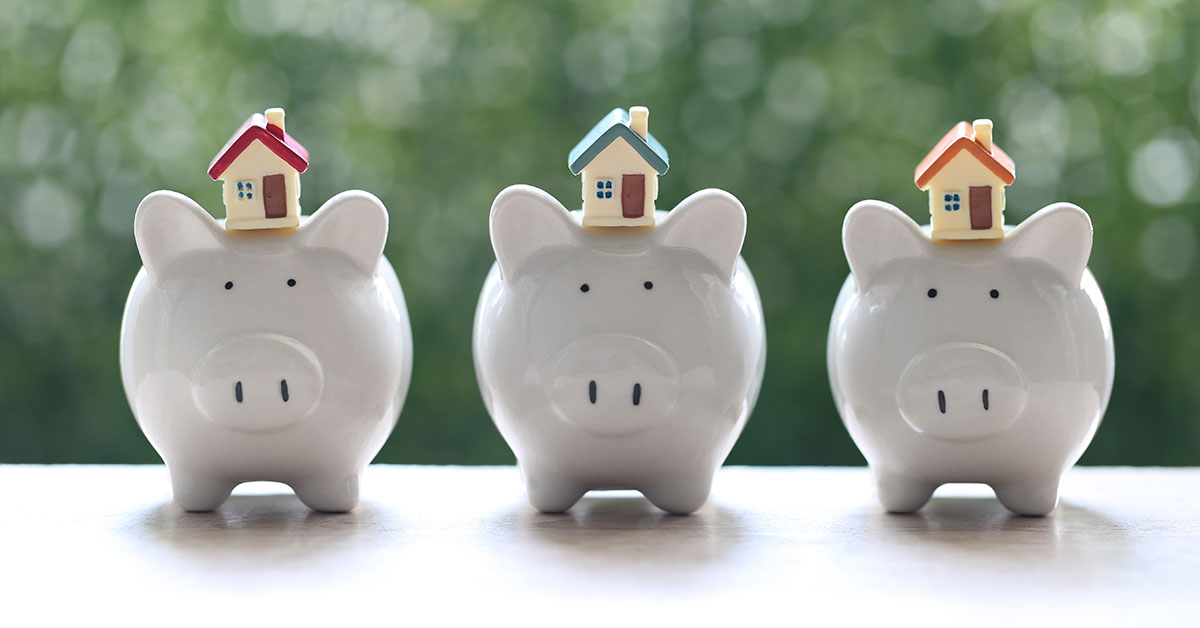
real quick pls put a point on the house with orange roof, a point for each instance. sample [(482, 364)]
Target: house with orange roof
[(965, 175), (259, 168)]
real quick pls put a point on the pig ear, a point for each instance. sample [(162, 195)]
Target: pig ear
[(355, 223), (169, 225), (710, 222), (524, 221), (1060, 235), (874, 234)]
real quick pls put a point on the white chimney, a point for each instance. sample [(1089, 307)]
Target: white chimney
[(983, 133), (275, 117), (639, 120)]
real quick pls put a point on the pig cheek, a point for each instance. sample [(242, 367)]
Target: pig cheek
[(875, 336), (526, 322), (555, 312), (158, 395)]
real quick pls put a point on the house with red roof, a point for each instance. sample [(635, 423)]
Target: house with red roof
[(259, 168), (965, 175)]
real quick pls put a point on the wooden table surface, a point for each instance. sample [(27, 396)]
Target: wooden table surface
[(449, 545)]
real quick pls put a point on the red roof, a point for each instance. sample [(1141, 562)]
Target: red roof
[(273, 137), (962, 137)]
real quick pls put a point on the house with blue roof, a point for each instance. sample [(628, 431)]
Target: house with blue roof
[(620, 162)]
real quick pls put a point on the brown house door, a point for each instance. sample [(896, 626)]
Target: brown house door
[(981, 207), (633, 195), (275, 196)]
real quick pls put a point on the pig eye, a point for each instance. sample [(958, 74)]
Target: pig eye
[(291, 282), (584, 288), (995, 293), (229, 285), (648, 285), (932, 292)]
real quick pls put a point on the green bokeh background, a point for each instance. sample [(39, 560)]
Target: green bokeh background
[(798, 108)]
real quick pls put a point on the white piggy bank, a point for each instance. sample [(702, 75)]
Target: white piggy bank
[(619, 357), (279, 354), (970, 361)]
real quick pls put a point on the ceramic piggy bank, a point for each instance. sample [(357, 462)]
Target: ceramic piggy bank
[(619, 357), (277, 354), (970, 361)]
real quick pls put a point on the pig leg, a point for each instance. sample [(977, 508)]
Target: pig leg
[(1033, 497), (326, 495), (681, 495), (902, 495), (197, 492), (551, 493)]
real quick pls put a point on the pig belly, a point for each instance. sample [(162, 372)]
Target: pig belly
[(321, 445), (674, 446), (1057, 425)]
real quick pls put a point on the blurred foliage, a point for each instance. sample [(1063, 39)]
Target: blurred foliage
[(799, 108)]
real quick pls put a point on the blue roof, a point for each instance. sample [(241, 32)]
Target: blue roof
[(612, 126)]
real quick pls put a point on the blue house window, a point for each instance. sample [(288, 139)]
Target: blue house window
[(604, 188), (245, 190), (951, 201)]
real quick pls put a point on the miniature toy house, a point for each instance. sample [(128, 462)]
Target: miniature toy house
[(620, 162), (965, 175), (260, 170)]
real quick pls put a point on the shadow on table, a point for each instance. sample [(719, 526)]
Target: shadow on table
[(277, 528), (622, 529), (979, 528)]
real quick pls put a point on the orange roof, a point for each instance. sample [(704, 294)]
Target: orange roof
[(962, 137)]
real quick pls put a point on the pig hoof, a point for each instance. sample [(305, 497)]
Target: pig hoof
[(899, 495), (198, 493), (682, 497), (1033, 499), (551, 495), (328, 496)]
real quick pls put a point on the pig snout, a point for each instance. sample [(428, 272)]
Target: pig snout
[(961, 392), (612, 384), (258, 382)]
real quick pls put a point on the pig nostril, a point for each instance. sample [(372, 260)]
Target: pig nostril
[(637, 394), (237, 391), (592, 391), (283, 390), (985, 399), (942, 401)]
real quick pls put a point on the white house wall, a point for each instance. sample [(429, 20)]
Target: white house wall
[(618, 158), (958, 176), (253, 164)]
